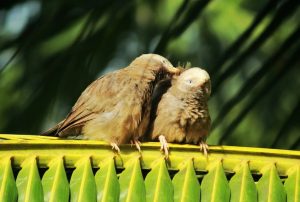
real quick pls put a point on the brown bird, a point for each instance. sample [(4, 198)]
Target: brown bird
[(182, 114), (116, 107)]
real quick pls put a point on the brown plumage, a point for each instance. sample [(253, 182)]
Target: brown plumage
[(182, 114), (116, 107)]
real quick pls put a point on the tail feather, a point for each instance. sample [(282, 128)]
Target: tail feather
[(53, 131)]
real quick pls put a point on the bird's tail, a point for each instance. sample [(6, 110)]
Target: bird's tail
[(52, 131)]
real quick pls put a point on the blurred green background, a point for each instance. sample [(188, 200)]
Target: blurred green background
[(51, 50)]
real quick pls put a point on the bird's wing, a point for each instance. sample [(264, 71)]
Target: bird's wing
[(96, 98)]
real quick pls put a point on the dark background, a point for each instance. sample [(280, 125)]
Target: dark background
[(51, 50)]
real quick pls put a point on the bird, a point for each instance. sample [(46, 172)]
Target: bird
[(182, 114), (116, 107)]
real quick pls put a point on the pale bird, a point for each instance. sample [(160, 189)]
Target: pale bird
[(182, 114)]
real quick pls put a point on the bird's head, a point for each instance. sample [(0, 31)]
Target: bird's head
[(156, 64), (193, 80)]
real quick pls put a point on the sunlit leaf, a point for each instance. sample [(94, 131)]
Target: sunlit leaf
[(158, 183), (108, 188), (242, 185), (82, 184), (292, 184), (214, 186), (55, 182), (186, 184), (28, 182), (132, 187), (270, 187), (8, 189)]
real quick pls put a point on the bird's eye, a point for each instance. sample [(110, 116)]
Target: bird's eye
[(189, 81)]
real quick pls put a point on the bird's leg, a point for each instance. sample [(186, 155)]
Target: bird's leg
[(203, 147), (164, 145), (137, 144), (115, 147)]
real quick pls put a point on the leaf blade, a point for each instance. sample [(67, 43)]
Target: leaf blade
[(55, 182), (189, 190), (270, 187), (82, 183), (158, 183), (8, 188), (28, 182), (242, 185), (108, 188), (292, 184), (214, 186), (132, 187)]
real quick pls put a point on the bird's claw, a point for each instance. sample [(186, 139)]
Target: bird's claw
[(137, 144), (164, 145), (203, 147), (115, 147)]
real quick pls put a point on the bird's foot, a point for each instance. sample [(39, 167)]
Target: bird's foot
[(203, 147), (137, 144), (115, 147), (164, 145)]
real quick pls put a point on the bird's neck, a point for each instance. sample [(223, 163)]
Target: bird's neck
[(195, 100)]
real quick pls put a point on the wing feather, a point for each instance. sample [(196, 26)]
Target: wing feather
[(94, 99)]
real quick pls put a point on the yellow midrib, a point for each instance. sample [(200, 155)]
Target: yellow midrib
[(53, 190), (107, 180), (297, 183), (5, 174), (131, 182), (158, 183), (214, 184), (29, 182), (185, 184), (270, 185), (242, 184), (80, 195)]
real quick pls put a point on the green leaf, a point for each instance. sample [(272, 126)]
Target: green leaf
[(82, 184), (132, 187), (292, 184), (55, 182), (214, 186), (29, 183), (108, 188), (242, 185), (158, 183), (8, 188), (186, 184), (270, 187)]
